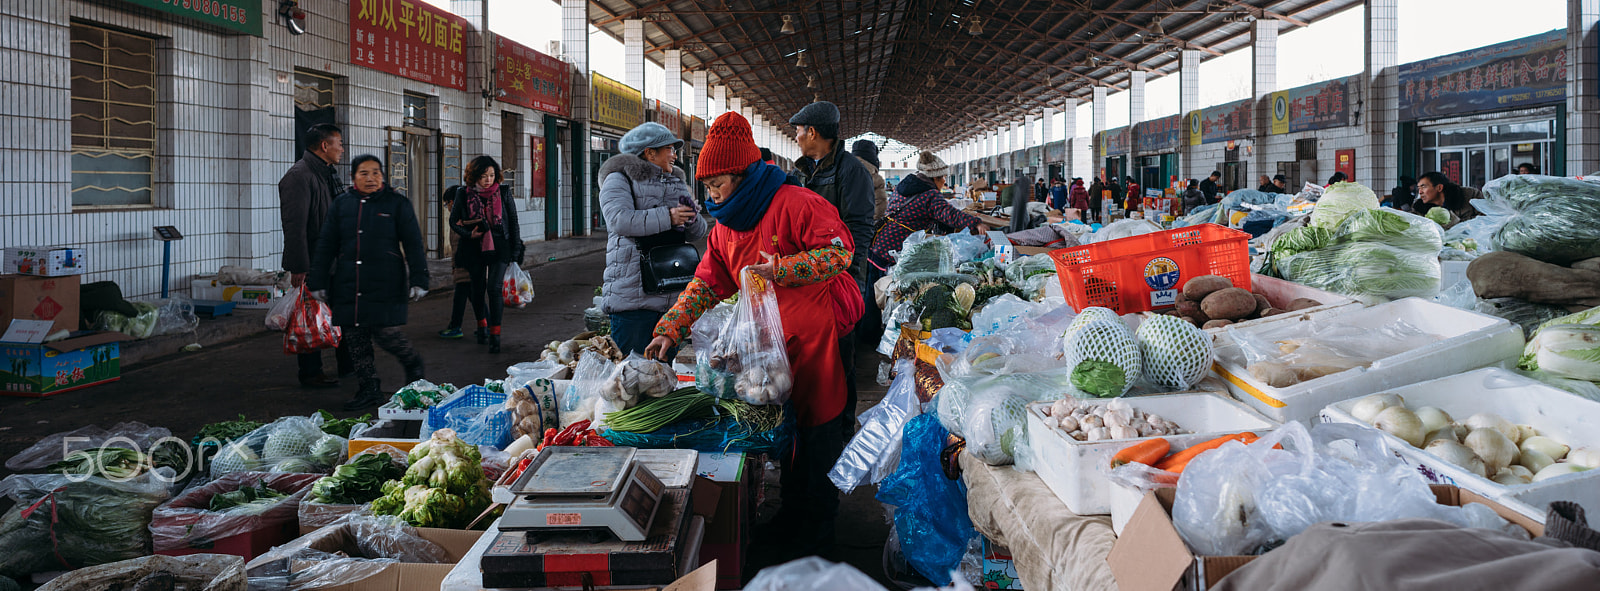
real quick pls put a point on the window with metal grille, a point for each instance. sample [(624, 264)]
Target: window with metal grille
[(415, 108), (313, 105), (113, 117)]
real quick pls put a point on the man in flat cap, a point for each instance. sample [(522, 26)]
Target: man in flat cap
[(828, 168)]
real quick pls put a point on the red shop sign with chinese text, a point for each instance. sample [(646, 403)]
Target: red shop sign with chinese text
[(532, 79), (409, 38)]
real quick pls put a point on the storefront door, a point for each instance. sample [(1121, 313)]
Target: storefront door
[(1471, 154), (409, 152)]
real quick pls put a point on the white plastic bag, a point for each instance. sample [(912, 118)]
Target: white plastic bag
[(874, 452), (278, 314), (516, 289), (748, 358)]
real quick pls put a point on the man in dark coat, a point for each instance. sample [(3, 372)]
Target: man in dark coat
[(305, 193), (1209, 186), (828, 168)]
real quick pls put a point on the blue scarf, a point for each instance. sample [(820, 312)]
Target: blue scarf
[(749, 202)]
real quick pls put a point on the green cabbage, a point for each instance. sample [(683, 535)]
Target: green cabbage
[(1528, 362), (1439, 215), (1394, 228), (1341, 200), (1365, 269), (1555, 219), (1568, 351), (1100, 378)]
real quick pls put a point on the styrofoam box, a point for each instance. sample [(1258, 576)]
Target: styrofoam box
[(1556, 413), (1076, 470), (1469, 340), (1280, 292), (1451, 272), (1124, 501)]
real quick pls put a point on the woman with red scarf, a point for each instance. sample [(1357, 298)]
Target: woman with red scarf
[(490, 240), (794, 237)]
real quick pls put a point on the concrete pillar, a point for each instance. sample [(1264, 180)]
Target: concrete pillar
[(633, 53), (1099, 125), (1047, 121), (673, 93), (1377, 160), (1583, 88), (698, 107), (1264, 81), (575, 46), (719, 103), (1188, 101), (762, 137), (736, 104), (1136, 97), (1069, 132)]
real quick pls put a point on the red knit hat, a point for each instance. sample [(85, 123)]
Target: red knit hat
[(730, 148)]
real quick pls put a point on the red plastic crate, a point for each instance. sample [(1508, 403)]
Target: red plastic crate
[(1141, 273)]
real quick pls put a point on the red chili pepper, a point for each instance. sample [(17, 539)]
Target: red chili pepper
[(570, 434), (521, 466), (599, 441), (549, 437)]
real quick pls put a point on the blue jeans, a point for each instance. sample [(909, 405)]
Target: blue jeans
[(634, 329)]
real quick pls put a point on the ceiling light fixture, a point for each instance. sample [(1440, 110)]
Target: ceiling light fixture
[(811, 82), (800, 62), (976, 26), (788, 25), (931, 83), (949, 61), (1156, 28)]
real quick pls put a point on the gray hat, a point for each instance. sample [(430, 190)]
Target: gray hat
[(817, 113), (646, 136), (932, 166)]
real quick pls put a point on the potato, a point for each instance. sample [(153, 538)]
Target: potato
[(1231, 303), (1303, 303), (1198, 288), (1272, 312), (1262, 303), (1217, 323), (1191, 309), (1191, 320)]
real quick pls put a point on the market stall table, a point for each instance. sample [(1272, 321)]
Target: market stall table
[(1052, 547)]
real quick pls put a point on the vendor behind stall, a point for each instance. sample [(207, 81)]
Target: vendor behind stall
[(1435, 190), (794, 237), (916, 206)]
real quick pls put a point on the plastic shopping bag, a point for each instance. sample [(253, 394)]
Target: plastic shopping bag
[(748, 358), (282, 308), (874, 452), (516, 290), (310, 327)]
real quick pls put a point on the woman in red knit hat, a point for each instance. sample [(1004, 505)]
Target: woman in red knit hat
[(795, 238)]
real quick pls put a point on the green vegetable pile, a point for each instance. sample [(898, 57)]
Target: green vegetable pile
[(341, 427), (422, 394), (248, 500), (1556, 220), (121, 463), (227, 430), (1100, 378), (652, 414), (95, 521), (444, 487), (359, 481), (1379, 253)]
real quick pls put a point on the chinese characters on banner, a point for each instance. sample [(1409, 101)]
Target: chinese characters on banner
[(1221, 123), (243, 16), (1514, 74), (615, 104), (1116, 142), (1316, 106), (1158, 135), (532, 79), (536, 167), (410, 38)]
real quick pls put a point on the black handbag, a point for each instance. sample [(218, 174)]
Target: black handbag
[(667, 262)]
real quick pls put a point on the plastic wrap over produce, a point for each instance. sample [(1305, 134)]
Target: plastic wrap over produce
[(1553, 219), (53, 448), (748, 358), (236, 503), (874, 452), (65, 522), (930, 510), (197, 572), (289, 444), (1371, 253), (1245, 499)]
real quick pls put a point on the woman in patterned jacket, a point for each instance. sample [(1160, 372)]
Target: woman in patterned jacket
[(917, 206)]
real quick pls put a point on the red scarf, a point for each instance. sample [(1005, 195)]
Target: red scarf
[(485, 205)]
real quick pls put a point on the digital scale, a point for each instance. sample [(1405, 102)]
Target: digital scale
[(595, 489)]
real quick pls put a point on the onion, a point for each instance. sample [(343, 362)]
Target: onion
[(1587, 457), (1555, 449), (1535, 460), (1557, 469), (1433, 419), (1367, 409), (1457, 454), (1496, 450), (1400, 422), (1510, 478), (1485, 420)]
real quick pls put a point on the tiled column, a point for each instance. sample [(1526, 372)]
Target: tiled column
[(1136, 80), (1099, 125), (673, 93), (633, 53), (1188, 101), (1377, 160), (575, 44), (736, 104), (1047, 121), (1583, 88), (1069, 132), (719, 103), (1264, 81), (699, 108)]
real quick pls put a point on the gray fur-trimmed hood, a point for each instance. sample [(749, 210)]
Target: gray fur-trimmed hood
[(637, 169)]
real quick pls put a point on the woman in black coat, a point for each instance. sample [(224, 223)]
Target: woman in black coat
[(360, 271), (491, 238)]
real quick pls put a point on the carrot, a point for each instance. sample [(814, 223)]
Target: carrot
[(1176, 462), (1147, 452)]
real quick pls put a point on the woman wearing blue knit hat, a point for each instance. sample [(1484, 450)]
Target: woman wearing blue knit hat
[(653, 221)]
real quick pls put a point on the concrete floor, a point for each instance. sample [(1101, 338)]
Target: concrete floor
[(252, 376)]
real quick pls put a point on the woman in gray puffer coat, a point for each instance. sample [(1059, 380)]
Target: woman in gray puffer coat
[(647, 204)]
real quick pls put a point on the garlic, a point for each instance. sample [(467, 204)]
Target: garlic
[(1446, 434), (1524, 432), (1535, 460), (1067, 423), (1149, 431), (1496, 450), (1113, 419), (1051, 422), (1557, 469), (1509, 478), (1099, 434), (1091, 422), (1555, 449), (1078, 434), (1522, 472), (1124, 433), (1587, 457), (1368, 408), (1400, 422), (1433, 418), (1080, 411), (1061, 408), (1485, 420), (1457, 454), (1119, 405)]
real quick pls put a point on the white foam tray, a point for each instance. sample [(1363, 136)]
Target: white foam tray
[(1558, 414), (1076, 470), (1469, 341)]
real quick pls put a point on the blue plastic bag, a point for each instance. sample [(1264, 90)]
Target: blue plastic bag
[(930, 510)]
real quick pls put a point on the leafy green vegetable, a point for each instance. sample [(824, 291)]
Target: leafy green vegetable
[(652, 414), (84, 523), (1555, 218), (1100, 378), (246, 500), (1365, 269), (359, 481), (1568, 351), (341, 427), (109, 462), (227, 430), (1394, 228), (1341, 200), (1439, 215)]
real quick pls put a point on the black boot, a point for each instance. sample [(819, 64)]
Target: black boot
[(365, 400), (482, 334), (494, 343)]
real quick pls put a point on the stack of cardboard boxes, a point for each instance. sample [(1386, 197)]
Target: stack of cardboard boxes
[(38, 299)]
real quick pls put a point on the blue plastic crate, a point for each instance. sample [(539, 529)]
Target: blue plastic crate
[(497, 433)]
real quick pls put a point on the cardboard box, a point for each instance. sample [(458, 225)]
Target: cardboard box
[(26, 297), (1151, 555), (38, 370), (47, 261), (999, 572), (403, 435), (242, 296), (728, 523), (399, 576)]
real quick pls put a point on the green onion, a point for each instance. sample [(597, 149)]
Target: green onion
[(756, 418), (655, 413)]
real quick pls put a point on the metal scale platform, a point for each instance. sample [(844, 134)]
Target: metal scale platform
[(596, 489)]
